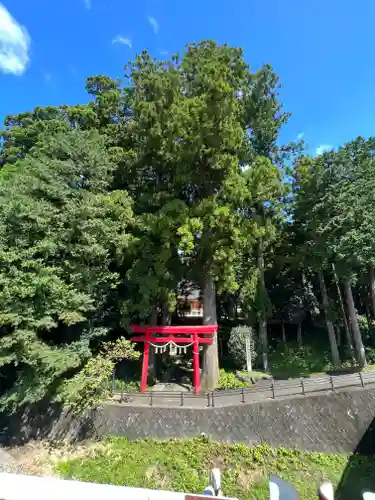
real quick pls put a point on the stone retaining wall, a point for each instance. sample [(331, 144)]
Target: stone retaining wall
[(334, 422)]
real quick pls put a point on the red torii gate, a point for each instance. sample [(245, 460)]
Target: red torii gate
[(176, 337)]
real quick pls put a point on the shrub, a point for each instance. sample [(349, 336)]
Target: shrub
[(89, 387), (367, 333), (228, 380), (370, 355), (237, 345), (128, 385), (292, 361)]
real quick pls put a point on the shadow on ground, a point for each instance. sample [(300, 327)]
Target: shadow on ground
[(359, 474)]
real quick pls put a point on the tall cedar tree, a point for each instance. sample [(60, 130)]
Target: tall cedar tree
[(187, 119)]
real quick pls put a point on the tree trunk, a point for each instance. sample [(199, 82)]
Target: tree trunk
[(370, 321), (154, 317), (283, 335), (372, 288), (342, 306), (263, 317), (299, 334), (210, 364), (166, 316), (152, 354), (368, 315), (232, 306), (163, 358), (331, 331), (360, 350), (338, 335)]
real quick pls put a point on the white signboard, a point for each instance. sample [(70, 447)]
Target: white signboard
[(248, 355)]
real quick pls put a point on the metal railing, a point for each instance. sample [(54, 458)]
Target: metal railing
[(261, 391)]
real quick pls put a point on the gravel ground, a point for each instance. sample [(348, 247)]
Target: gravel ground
[(7, 462), (37, 458)]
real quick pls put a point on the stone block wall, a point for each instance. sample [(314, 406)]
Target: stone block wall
[(334, 422)]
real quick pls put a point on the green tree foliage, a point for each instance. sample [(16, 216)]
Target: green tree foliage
[(188, 137), (178, 174), (60, 230), (260, 196), (334, 203), (108, 113)]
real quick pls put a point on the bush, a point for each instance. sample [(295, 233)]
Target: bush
[(91, 386), (370, 355), (237, 345), (367, 333), (228, 380), (128, 385), (298, 361)]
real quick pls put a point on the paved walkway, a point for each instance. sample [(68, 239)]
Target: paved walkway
[(260, 391)]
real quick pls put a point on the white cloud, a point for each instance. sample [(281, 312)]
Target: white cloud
[(14, 44), (87, 4), (164, 52), (123, 40), (300, 136), (154, 24), (323, 148)]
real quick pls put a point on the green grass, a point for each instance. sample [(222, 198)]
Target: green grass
[(253, 373), (369, 368), (184, 466)]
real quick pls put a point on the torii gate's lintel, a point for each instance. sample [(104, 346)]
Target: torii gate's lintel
[(174, 336)]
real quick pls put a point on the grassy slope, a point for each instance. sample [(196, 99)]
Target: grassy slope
[(184, 465)]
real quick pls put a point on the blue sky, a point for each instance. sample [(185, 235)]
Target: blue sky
[(322, 50)]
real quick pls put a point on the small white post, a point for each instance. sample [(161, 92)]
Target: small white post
[(248, 355)]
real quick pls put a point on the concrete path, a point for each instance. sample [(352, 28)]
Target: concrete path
[(260, 391)]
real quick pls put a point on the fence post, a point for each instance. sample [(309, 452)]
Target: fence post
[(150, 398), (332, 386), (208, 400), (303, 387), (182, 398), (212, 399), (362, 381), (273, 389), (243, 395)]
